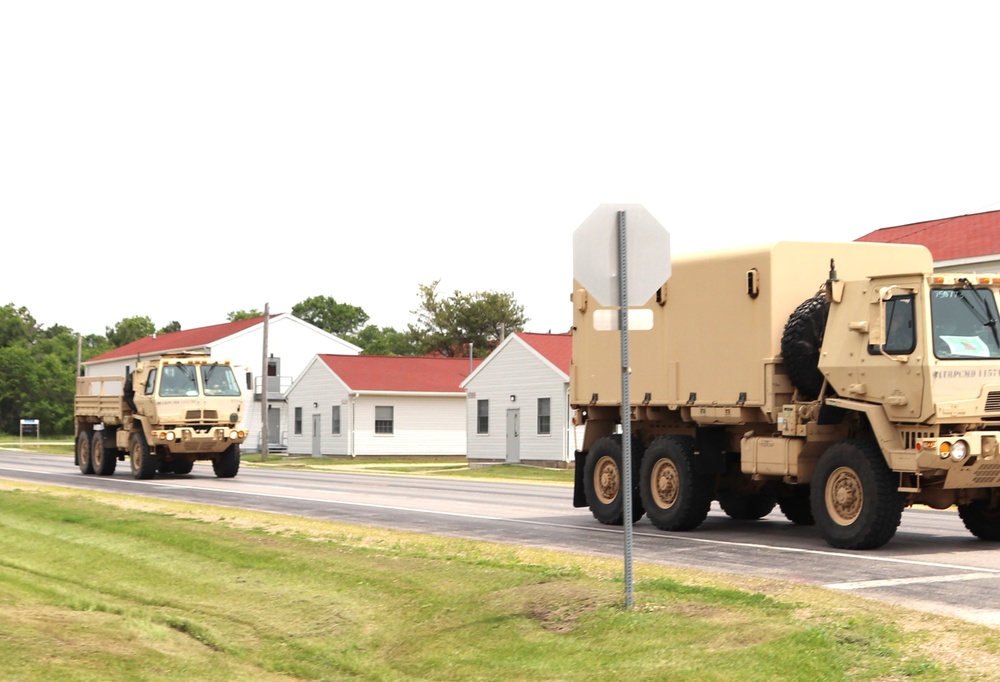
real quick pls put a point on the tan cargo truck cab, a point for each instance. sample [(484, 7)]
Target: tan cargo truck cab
[(170, 412), (840, 382)]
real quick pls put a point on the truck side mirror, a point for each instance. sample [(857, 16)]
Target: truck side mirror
[(249, 380)]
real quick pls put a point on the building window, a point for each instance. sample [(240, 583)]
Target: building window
[(335, 420), (544, 416), (482, 416), (298, 421), (383, 419)]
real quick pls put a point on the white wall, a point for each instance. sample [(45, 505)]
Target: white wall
[(423, 425), (517, 370)]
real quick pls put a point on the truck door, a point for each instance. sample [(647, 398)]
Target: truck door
[(891, 372)]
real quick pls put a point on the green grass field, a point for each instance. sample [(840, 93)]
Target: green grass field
[(98, 587)]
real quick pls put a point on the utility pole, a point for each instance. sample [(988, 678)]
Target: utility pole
[(264, 381)]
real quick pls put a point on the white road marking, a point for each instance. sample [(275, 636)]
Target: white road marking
[(866, 584)]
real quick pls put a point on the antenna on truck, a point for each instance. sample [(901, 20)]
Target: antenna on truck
[(830, 280)]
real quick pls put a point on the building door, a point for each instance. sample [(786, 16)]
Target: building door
[(316, 439), (273, 426), (513, 436)]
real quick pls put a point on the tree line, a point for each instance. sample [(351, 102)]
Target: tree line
[(38, 365)]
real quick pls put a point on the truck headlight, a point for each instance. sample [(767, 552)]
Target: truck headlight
[(170, 436), (959, 451), (233, 435)]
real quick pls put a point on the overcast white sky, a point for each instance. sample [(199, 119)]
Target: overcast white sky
[(183, 160)]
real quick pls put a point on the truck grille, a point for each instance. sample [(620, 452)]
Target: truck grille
[(201, 416), (988, 473), (993, 401)]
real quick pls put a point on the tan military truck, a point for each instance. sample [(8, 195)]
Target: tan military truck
[(840, 382), (170, 412)]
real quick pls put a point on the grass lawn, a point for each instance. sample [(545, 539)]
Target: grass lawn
[(96, 586)]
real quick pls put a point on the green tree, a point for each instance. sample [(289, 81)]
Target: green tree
[(38, 368), (383, 341), (16, 324), (448, 325), (129, 329), (324, 312), (238, 315), (174, 326)]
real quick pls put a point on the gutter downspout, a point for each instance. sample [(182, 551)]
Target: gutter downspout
[(354, 409)]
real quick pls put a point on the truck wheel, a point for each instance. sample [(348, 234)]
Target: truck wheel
[(227, 464), (183, 467), (675, 497), (801, 342), (603, 482), (796, 507), (104, 462), (981, 521), (83, 458), (746, 507), (854, 497), (144, 462)]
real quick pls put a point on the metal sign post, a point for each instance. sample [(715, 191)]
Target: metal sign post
[(595, 244), (626, 406)]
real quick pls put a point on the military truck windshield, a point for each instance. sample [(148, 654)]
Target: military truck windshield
[(219, 380), (178, 380), (965, 323)]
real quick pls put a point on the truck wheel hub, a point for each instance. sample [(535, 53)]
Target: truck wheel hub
[(606, 479), (666, 483), (844, 496)]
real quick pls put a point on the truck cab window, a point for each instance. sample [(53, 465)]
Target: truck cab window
[(965, 323), (900, 334), (150, 382), (178, 380), (219, 380)]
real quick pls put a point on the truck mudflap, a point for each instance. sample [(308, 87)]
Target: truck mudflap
[(579, 492)]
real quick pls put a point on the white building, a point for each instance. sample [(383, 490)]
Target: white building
[(518, 403), (379, 406), (291, 344)]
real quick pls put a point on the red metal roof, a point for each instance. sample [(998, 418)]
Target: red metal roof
[(178, 341), (400, 373), (966, 236), (556, 348)]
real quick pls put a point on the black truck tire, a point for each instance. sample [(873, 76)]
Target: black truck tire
[(980, 520), (674, 496), (227, 463), (854, 497), (603, 482), (144, 463), (748, 507), (104, 461), (801, 342), (796, 507), (83, 454)]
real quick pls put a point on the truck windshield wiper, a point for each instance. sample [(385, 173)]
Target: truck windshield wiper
[(989, 321)]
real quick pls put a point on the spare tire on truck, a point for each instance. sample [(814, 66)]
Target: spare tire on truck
[(801, 343)]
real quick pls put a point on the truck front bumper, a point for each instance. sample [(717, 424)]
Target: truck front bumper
[(193, 440), (969, 460)]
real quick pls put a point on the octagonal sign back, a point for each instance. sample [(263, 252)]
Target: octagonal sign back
[(595, 254)]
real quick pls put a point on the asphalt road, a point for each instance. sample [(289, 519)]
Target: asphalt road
[(932, 564)]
